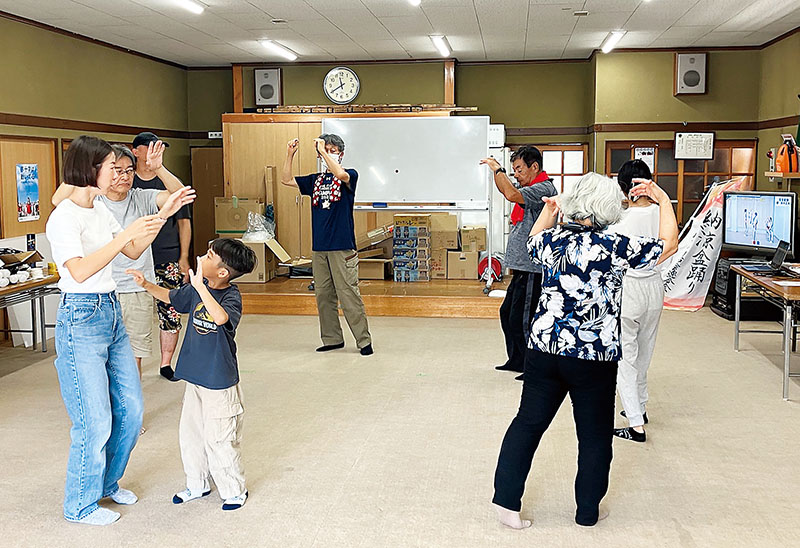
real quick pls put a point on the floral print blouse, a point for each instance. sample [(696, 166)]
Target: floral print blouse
[(582, 271)]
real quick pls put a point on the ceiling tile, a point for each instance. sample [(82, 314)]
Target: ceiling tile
[(759, 14), (717, 38), (712, 12)]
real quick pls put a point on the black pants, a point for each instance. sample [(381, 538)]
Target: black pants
[(548, 378), (513, 314)]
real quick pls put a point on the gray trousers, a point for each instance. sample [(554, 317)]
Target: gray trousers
[(336, 281)]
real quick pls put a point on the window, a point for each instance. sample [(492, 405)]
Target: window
[(564, 163)]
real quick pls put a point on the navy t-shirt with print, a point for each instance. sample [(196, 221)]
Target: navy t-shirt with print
[(582, 271), (208, 353), (333, 228)]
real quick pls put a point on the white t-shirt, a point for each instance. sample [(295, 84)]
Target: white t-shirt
[(639, 221), (75, 231)]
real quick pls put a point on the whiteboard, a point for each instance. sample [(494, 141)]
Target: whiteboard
[(421, 160)]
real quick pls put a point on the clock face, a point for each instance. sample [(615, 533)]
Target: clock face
[(341, 85)]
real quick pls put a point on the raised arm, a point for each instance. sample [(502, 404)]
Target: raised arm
[(549, 215), (155, 162), (215, 310), (160, 293), (63, 192), (175, 201), (503, 183), (667, 223), (286, 175), (335, 167)]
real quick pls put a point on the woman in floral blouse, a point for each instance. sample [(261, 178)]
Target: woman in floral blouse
[(574, 344)]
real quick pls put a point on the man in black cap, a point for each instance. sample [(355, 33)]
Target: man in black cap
[(170, 248)]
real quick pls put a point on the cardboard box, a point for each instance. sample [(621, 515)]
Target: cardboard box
[(269, 255), (409, 253), (230, 214), (444, 231), (462, 265), (375, 253), (411, 276), (412, 264), (19, 259), (373, 269), (411, 231), (411, 242), (473, 238), (438, 264), (374, 236), (413, 219)]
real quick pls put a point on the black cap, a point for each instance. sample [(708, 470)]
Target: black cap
[(145, 138)]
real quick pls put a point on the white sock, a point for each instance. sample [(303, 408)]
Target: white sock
[(511, 519), (123, 496), (101, 516), (187, 494), (234, 503)]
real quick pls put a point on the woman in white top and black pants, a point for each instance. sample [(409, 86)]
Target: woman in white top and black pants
[(642, 302), (96, 369)]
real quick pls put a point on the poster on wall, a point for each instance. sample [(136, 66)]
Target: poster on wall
[(27, 192), (647, 155), (694, 145)]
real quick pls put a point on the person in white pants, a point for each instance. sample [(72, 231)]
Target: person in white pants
[(642, 302)]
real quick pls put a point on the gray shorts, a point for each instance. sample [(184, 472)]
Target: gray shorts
[(137, 314)]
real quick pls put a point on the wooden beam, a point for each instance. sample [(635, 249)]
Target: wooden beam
[(238, 102), (450, 82)]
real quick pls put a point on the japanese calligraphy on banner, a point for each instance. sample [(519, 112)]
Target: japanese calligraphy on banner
[(687, 274)]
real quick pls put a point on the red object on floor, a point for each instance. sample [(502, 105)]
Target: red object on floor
[(496, 268)]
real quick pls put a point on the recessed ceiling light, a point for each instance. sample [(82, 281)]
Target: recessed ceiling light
[(611, 40), (191, 5), (279, 49), (442, 45), (580, 13), (414, 2), (278, 21)]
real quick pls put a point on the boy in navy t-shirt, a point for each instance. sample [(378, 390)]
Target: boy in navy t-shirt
[(211, 419)]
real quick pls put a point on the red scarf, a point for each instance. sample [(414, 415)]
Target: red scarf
[(518, 213)]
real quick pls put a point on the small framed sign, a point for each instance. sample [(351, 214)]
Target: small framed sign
[(694, 145)]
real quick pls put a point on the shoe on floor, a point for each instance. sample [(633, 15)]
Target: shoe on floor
[(643, 415), (367, 350), (101, 516), (506, 367), (630, 434), (602, 513), (234, 503), (519, 377), (124, 496), (187, 494), (327, 347), (167, 372)]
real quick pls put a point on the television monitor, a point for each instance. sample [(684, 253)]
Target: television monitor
[(756, 222)]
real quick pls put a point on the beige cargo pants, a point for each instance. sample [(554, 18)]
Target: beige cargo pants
[(336, 281), (210, 434)]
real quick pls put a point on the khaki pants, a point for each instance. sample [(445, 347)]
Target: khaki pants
[(336, 281), (210, 434), (137, 315)]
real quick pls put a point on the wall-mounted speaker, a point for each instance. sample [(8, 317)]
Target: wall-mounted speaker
[(268, 87), (690, 73)]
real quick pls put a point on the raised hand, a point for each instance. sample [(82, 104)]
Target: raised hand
[(155, 155), (319, 145), (493, 164), (177, 200), (552, 204), (196, 276), (146, 226), (646, 187), (292, 146), (138, 277)]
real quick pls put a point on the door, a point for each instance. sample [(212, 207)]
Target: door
[(209, 183)]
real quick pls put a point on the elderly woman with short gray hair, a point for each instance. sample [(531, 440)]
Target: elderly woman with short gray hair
[(574, 343)]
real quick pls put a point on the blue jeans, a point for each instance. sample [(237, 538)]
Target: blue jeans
[(103, 396)]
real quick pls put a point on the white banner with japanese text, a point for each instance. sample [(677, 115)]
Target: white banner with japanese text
[(687, 274)]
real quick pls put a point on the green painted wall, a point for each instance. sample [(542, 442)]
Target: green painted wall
[(779, 83), (209, 95), (413, 83), (527, 95), (637, 87)]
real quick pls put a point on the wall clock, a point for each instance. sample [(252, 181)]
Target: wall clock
[(341, 85)]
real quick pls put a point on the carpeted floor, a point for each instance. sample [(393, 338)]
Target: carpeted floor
[(398, 449)]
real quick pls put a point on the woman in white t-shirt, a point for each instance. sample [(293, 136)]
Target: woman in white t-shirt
[(642, 302), (96, 369)]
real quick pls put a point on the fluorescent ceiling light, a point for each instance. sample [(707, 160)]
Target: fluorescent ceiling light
[(611, 40), (191, 5), (441, 44), (414, 2), (278, 49)]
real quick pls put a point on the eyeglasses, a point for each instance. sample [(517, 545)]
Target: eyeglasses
[(127, 172)]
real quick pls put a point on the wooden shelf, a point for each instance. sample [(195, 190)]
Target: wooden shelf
[(782, 175)]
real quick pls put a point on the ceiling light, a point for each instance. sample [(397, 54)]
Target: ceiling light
[(611, 40), (414, 2), (191, 5), (580, 13), (278, 21), (278, 49), (441, 44)]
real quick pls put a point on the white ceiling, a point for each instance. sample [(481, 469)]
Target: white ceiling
[(478, 30)]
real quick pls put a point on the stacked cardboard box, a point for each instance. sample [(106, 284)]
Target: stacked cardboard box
[(374, 252), (444, 237), (412, 248)]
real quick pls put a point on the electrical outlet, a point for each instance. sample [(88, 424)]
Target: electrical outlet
[(215, 135)]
